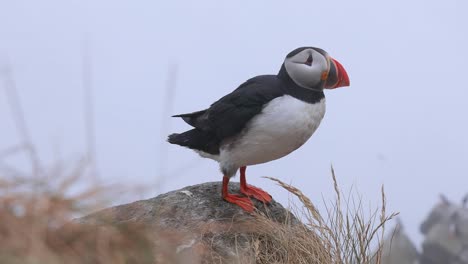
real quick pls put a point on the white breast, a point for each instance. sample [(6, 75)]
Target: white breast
[(284, 125)]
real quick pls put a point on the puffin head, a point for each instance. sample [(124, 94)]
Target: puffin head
[(313, 68)]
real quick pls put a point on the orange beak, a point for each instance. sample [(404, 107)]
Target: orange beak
[(337, 76)]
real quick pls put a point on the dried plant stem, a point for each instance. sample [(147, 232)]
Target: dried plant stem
[(18, 115), (346, 233)]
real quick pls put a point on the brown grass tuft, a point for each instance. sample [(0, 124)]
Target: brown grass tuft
[(343, 236), (35, 226)]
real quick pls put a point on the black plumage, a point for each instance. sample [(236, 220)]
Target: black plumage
[(229, 115)]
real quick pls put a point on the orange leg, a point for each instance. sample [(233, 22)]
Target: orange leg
[(244, 202), (252, 191)]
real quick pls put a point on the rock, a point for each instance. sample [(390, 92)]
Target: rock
[(398, 248), (194, 225), (440, 213), (446, 230)]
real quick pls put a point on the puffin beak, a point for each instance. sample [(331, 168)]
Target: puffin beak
[(337, 76)]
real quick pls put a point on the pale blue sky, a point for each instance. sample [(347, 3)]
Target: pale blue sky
[(402, 123)]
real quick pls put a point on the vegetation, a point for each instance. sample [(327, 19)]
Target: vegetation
[(36, 226)]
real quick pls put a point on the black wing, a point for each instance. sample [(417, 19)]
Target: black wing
[(230, 114)]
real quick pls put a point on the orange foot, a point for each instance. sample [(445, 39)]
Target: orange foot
[(244, 202), (252, 191), (256, 193)]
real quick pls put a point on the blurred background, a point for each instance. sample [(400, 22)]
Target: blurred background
[(104, 77)]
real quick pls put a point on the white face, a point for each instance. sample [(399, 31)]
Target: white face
[(307, 68)]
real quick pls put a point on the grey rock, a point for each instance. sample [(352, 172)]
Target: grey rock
[(398, 248), (196, 224), (440, 213), (446, 230)]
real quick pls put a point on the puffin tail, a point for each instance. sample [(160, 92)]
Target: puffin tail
[(191, 118), (196, 139)]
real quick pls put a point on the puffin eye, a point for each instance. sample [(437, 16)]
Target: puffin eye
[(309, 60)]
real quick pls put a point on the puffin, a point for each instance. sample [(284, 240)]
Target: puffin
[(264, 119)]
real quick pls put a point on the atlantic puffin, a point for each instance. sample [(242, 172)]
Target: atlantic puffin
[(265, 118)]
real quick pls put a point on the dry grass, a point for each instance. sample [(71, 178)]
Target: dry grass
[(278, 243), (35, 227), (345, 235)]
